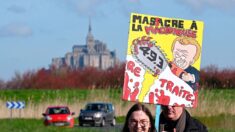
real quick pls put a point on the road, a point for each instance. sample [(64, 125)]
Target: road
[(107, 128)]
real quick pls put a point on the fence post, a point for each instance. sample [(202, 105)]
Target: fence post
[(11, 114)]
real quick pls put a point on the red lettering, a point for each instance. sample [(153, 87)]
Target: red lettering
[(150, 29), (130, 65), (175, 90), (126, 89), (133, 69), (169, 86), (163, 82), (185, 93), (157, 22), (189, 97), (137, 71), (170, 30)]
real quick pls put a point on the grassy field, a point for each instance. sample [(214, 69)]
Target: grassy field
[(216, 108), (36, 125), (38, 100), (38, 96), (215, 102)]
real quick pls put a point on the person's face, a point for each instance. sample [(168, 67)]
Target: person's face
[(172, 112), (184, 54), (139, 122)]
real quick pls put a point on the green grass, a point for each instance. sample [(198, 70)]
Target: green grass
[(219, 122), (36, 125), (71, 95), (37, 96), (211, 95)]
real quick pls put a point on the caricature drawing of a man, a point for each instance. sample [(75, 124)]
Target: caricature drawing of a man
[(185, 52)]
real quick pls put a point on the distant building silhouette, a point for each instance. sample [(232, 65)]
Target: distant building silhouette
[(93, 54)]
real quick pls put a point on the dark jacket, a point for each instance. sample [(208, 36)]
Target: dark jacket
[(192, 125)]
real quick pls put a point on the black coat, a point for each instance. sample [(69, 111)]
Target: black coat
[(192, 125)]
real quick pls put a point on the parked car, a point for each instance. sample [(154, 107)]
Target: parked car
[(58, 116), (97, 113)]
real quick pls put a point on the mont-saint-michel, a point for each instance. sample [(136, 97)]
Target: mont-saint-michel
[(93, 54)]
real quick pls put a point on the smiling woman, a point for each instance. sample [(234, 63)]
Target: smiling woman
[(139, 118)]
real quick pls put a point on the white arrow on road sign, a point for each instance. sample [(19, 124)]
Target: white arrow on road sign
[(15, 105)]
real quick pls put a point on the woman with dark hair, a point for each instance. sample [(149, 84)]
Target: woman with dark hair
[(139, 119)]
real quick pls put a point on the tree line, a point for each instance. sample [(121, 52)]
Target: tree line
[(89, 77)]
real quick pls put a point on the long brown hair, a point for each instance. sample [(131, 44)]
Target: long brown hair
[(137, 107)]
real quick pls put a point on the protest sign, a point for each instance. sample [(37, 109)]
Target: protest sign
[(163, 60)]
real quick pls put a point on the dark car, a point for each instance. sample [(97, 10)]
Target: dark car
[(58, 116), (97, 114)]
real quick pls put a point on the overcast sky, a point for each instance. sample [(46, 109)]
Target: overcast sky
[(32, 32)]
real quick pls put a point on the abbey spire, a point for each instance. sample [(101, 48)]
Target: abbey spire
[(90, 41)]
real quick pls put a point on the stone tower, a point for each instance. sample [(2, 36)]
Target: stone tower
[(90, 41)]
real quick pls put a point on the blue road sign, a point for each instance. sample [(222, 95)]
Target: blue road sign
[(15, 104)]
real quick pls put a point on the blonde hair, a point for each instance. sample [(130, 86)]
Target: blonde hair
[(188, 41)]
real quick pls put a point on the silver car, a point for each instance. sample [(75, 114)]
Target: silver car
[(97, 113)]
